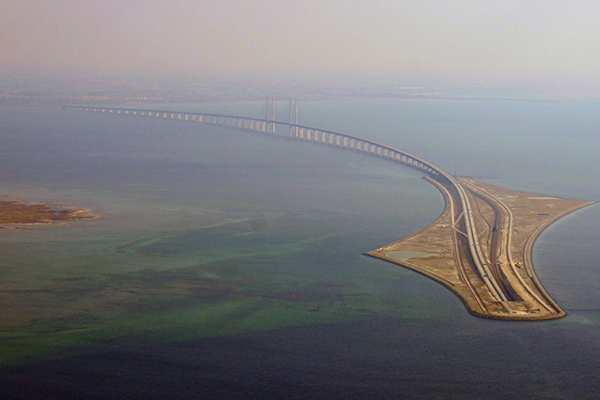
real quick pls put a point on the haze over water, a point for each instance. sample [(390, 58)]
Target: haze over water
[(280, 226)]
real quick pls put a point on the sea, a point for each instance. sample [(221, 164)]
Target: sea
[(229, 264)]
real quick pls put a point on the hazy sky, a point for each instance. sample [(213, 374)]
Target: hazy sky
[(478, 42)]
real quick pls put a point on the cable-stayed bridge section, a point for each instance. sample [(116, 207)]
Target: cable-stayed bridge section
[(296, 131), (473, 248)]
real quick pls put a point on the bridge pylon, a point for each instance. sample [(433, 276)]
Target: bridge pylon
[(293, 116), (270, 115)]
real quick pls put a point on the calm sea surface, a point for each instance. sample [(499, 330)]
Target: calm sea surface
[(228, 264)]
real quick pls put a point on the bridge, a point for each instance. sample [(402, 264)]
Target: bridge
[(296, 131), (499, 290)]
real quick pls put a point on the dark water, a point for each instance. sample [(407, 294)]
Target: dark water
[(380, 359), (281, 226)]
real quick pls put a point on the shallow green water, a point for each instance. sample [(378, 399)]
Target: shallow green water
[(239, 237)]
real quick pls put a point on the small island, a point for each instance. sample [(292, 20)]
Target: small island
[(18, 215)]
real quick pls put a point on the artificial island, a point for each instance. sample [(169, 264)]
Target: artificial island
[(479, 247)]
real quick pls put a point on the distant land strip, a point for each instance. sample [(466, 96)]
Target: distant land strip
[(479, 247), (15, 215)]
